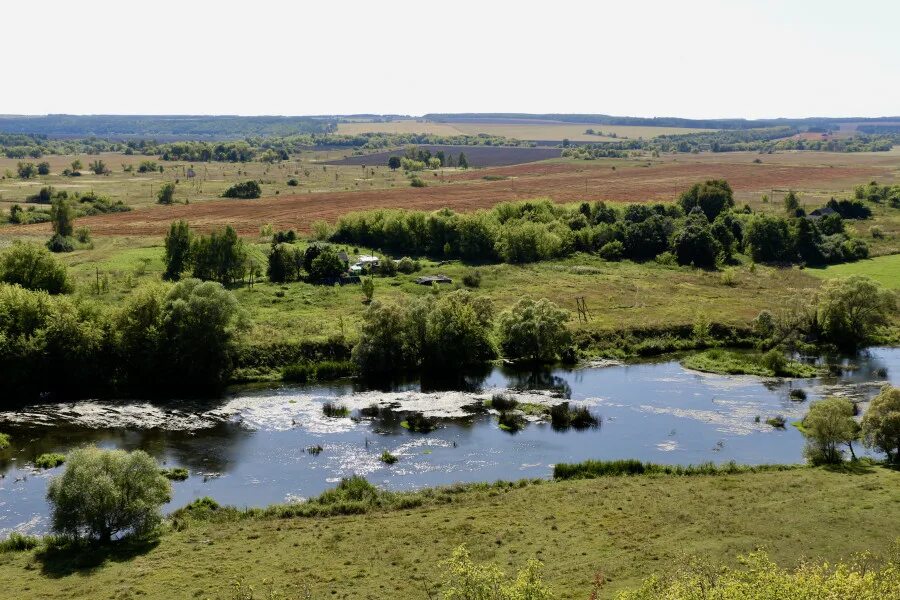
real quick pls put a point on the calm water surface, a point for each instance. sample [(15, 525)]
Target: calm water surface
[(250, 449)]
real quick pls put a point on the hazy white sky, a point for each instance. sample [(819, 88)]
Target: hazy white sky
[(645, 58)]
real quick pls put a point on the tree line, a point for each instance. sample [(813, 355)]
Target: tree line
[(704, 229)]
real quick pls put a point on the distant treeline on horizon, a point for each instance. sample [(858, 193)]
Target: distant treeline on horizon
[(174, 127)]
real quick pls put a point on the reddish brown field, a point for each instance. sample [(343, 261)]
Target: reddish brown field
[(561, 181)]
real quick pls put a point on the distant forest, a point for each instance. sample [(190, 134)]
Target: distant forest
[(806, 124), (177, 126)]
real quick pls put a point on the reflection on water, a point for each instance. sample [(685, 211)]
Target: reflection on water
[(251, 448)]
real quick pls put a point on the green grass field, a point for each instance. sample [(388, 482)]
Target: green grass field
[(618, 295), (626, 528), (883, 269)]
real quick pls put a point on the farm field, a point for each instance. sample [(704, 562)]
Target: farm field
[(477, 156), (623, 527), (816, 177), (542, 131)]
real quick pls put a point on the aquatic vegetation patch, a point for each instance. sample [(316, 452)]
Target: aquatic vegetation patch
[(49, 460), (770, 364), (4, 441), (175, 473), (590, 469)]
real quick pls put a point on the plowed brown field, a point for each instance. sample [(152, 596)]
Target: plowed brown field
[(469, 191)]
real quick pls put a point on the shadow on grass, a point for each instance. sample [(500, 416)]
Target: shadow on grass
[(854, 467), (63, 560)]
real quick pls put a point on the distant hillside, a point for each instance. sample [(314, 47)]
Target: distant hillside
[(163, 127), (595, 119)]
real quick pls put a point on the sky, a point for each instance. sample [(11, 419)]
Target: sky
[(685, 58)]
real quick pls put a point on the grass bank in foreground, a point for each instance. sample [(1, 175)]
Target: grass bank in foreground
[(626, 527)]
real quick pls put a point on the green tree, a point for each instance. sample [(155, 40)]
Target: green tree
[(201, 321), (282, 261), (220, 256), (851, 310), (534, 331), (394, 163), (458, 331), (106, 493), (327, 265), (694, 244), (98, 167), (768, 238), (43, 168), (34, 268), (178, 250), (166, 193), (26, 170), (791, 203), (76, 165), (368, 288), (881, 423), (712, 197), (462, 162), (62, 217), (828, 425), (386, 342)]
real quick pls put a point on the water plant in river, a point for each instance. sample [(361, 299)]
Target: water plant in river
[(388, 458), (4, 441), (563, 416), (335, 410), (770, 364), (797, 394), (511, 421), (314, 450), (778, 421), (49, 460), (175, 473), (609, 468), (419, 423)]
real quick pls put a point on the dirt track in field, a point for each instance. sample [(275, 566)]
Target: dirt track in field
[(469, 191)]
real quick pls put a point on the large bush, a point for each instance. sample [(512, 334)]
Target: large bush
[(246, 190), (761, 579), (220, 256), (107, 493), (534, 331), (34, 268), (178, 250), (467, 580)]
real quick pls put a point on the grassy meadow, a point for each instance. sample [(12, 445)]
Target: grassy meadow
[(211, 178), (624, 528), (618, 295), (883, 269)]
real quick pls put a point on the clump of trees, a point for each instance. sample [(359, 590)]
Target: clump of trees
[(162, 338), (247, 190), (703, 229), (534, 331), (451, 331), (220, 256), (105, 494)]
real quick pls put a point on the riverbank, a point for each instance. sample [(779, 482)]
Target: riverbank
[(625, 527)]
